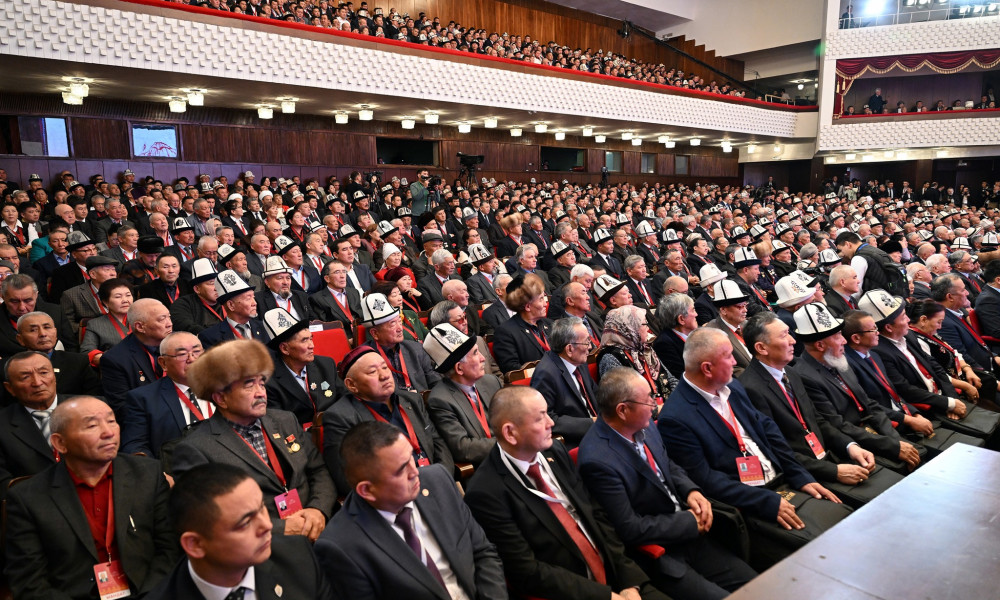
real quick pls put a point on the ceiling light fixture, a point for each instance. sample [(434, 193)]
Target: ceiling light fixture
[(366, 113), (195, 96), (663, 139), (850, 156), (695, 141), (560, 136), (464, 127), (600, 139), (541, 127), (515, 132), (265, 111), (409, 123), (490, 122), (637, 141), (177, 104), (626, 136), (78, 86), (431, 118), (671, 144), (71, 98), (751, 148), (288, 105), (341, 117), (588, 131)]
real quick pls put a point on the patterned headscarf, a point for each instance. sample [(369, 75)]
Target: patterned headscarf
[(621, 328)]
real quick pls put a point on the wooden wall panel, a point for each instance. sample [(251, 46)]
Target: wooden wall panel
[(713, 166), (595, 160), (99, 138), (664, 164), (632, 162)]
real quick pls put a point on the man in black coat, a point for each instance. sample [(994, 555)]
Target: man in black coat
[(73, 273), (564, 381), (211, 502), (508, 496), (678, 319), (336, 300), (20, 297), (74, 375)]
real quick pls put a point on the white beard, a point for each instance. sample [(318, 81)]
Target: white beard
[(840, 363)]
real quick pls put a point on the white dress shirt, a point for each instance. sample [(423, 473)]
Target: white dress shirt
[(213, 592), (431, 549)]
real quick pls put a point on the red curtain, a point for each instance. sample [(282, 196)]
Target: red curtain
[(945, 63)]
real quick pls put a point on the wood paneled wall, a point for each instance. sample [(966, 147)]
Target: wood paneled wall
[(222, 142), (545, 22)]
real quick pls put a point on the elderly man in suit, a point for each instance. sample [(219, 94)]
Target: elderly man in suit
[(20, 297), (843, 466), (374, 396), (157, 413), (732, 304), (268, 444), (303, 383), (411, 367), (950, 291), (604, 239), (24, 425), (237, 299), (208, 504), (82, 302), (480, 283), (278, 292), (736, 453), (74, 375), (57, 525), (444, 269), (988, 301), (564, 381), (678, 319), (337, 301), (651, 500), (133, 363), (459, 403), (553, 540), (404, 532)]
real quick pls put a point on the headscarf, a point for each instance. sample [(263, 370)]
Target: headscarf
[(621, 328)]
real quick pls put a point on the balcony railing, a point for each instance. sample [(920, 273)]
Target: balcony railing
[(902, 12)]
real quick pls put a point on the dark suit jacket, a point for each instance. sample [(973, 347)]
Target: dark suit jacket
[(514, 344), (155, 289), (988, 311), (300, 302), (47, 265), (566, 407), (869, 380), (189, 314), (705, 309), (906, 378), (349, 411), (698, 439), (48, 530), (837, 305), (365, 557), (480, 290), (495, 315), (291, 568), (637, 503), (222, 332), (456, 420), (324, 307), (430, 286), (254, 264), (741, 354), (669, 347), (325, 388), (539, 557), (314, 282), (922, 290), (152, 417), (834, 405), (23, 449), (364, 273), (74, 375), (63, 278), (419, 367), (78, 303), (767, 396), (124, 367), (958, 337), (612, 265), (8, 333), (637, 298), (214, 440)]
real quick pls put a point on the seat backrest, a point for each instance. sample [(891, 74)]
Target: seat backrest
[(573, 452), (974, 321), (330, 340)]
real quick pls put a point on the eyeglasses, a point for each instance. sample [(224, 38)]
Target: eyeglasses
[(647, 404), (459, 319), (869, 331), (589, 344), (183, 355)]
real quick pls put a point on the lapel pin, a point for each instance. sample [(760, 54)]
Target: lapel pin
[(312, 386), (426, 493), (550, 460), (277, 436), (328, 393), (142, 377), (278, 590), (294, 447)]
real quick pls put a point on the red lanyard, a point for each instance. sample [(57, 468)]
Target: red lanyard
[(518, 242), (410, 330), (86, 275), (212, 310), (925, 374), (651, 460), (979, 339), (193, 406), (649, 379), (415, 309), (943, 344), (402, 365), (758, 294), (795, 406), (127, 257), (345, 308), (308, 395), (411, 436), (272, 456), (477, 407), (302, 277), (847, 390), (152, 362), (184, 253), (297, 234), (541, 340), (288, 303), (121, 331), (317, 262), (19, 232), (642, 289), (734, 429), (238, 335), (177, 293), (100, 305)]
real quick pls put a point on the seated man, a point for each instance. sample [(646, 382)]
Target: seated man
[(303, 383), (444, 270), (374, 396), (404, 532), (237, 300), (81, 302), (459, 404), (157, 413), (208, 505), (411, 367), (57, 526), (458, 317), (498, 313), (553, 541), (833, 458), (838, 396), (678, 319), (133, 362), (563, 379), (168, 286), (279, 293), (200, 310), (74, 375), (732, 303), (268, 444), (25, 448), (337, 301), (20, 297), (651, 500), (736, 453), (455, 290)]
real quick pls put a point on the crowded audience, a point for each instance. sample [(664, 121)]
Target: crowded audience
[(324, 378)]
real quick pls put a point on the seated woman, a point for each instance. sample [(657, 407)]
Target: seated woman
[(107, 330), (625, 343), (413, 328), (392, 257), (524, 337), (413, 299), (508, 245)]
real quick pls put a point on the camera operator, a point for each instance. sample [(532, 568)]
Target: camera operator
[(425, 192), (357, 183)]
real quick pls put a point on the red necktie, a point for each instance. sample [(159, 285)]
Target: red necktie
[(583, 392), (885, 384), (589, 552)]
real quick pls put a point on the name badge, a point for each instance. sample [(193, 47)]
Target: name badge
[(750, 470), (813, 442), (111, 580), (423, 461), (288, 503)]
